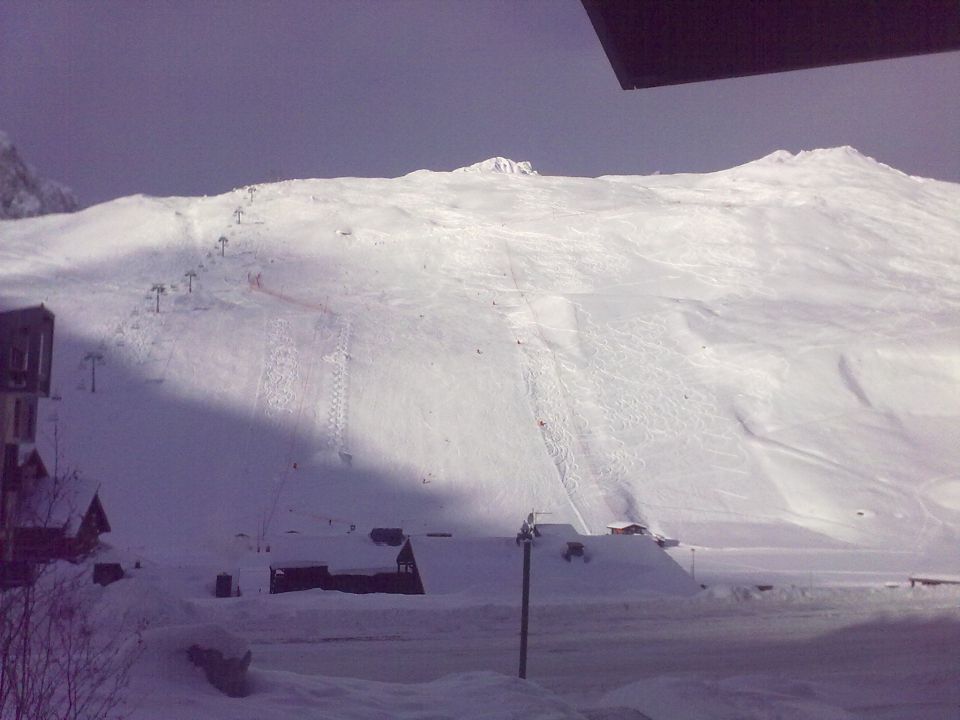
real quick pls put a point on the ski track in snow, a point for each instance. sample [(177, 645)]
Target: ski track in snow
[(281, 370), (544, 396), (668, 425), (338, 413), (546, 399), (633, 397)]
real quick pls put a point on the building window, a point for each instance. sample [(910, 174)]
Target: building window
[(42, 357), (31, 423), (17, 409), (18, 367)]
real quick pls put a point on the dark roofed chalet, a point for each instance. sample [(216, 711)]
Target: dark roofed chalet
[(56, 519)]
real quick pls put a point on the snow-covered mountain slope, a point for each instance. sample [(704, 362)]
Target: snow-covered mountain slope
[(766, 357), (500, 165), (23, 193)]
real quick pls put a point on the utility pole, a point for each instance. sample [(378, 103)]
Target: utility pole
[(223, 242), (525, 537), (190, 275), (252, 189), (93, 356), (525, 608), (159, 289), (238, 212)]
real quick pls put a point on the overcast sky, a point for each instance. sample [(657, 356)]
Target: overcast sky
[(188, 97)]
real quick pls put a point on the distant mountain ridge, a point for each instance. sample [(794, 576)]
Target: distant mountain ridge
[(501, 165), (25, 194)]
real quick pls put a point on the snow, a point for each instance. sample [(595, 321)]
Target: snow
[(350, 554), (500, 165), (761, 362), (61, 505), (729, 652), (614, 566)]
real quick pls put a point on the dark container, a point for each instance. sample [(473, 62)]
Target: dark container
[(224, 585)]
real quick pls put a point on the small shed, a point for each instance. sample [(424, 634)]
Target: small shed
[(627, 527), (387, 536)]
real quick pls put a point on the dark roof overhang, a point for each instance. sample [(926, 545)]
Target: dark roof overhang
[(651, 43)]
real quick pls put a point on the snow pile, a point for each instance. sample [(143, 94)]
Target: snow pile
[(23, 193), (500, 165), (165, 685), (731, 699)]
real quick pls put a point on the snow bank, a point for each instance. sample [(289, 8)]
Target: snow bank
[(730, 699), (165, 685)]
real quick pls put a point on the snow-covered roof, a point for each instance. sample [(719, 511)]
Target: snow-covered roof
[(60, 502), (353, 554), (560, 530), (29, 454), (623, 524), (613, 565)]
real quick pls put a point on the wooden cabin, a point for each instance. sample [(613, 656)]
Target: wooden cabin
[(350, 563), (54, 518), (627, 528)]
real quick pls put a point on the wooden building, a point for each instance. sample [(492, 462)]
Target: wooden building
[(350, 563), (42, 518), (564, 564), (53, 518), (26, 355), (623, 527)]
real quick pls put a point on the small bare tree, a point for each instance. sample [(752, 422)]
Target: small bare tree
[(57, 661)]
